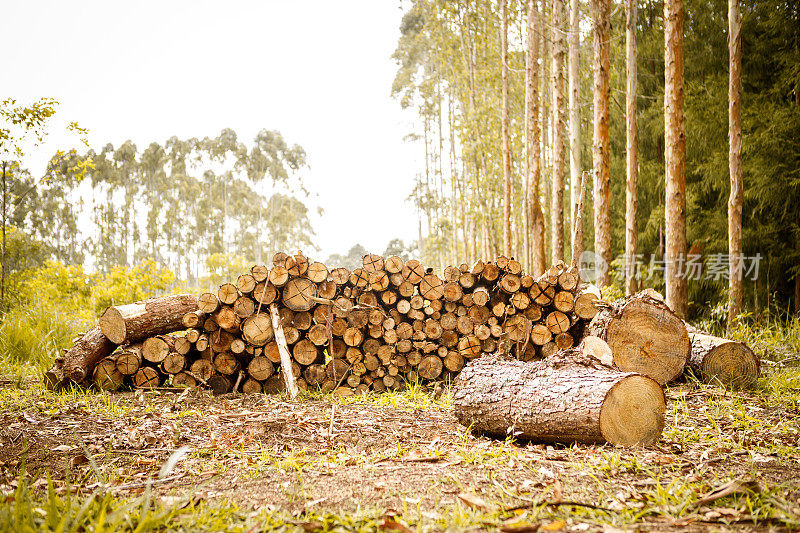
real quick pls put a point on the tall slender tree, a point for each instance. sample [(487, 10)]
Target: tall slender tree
[(533, 147), (735, 161), (674, 159), (632, 150), (557, 78), (504, 131), (601, 25), (574, 116)]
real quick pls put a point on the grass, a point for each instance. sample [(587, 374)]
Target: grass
[(34, 334)]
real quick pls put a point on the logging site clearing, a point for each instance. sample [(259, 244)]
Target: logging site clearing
[(397, 461)]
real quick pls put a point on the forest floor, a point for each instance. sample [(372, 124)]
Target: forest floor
[(394, 462)]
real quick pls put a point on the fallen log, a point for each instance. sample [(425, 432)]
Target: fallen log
[(645, 336), (80, 360), (569, 397), (124, 324), (724, 361)]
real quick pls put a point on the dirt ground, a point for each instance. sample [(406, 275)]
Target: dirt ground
[(405, 456)]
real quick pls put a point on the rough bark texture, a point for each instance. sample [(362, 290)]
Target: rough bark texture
[(557, 88), (575, 170), (645, 336), (631, 152), (505, 134), (735, 162), (123, 324), (568, 397), (674, 159), (601, 140), (719, 360), (80, 360), (533, 148)]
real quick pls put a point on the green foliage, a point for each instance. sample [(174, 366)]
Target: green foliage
[(37, 332)]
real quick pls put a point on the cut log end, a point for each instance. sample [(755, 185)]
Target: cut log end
[(732, 364), (633, 412)]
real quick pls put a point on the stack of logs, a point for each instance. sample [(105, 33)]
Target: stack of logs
[(386, 323), (378, 327)]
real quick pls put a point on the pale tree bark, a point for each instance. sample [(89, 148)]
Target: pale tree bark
[(631, 152), (735, 162), (574, 120), (557, 88), (601, 142), (505, 135), (674, 159), (533, 148)]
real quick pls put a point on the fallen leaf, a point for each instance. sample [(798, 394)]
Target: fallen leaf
[(63, 448), (735, 486), (392, 524), (555, 525), (473, 501)]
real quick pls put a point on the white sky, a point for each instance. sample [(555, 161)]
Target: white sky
[(319, 72)]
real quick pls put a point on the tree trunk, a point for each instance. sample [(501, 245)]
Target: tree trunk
[(631, 152), (735, 162), (557, 75), (3, 253), (533, 152), (80, 360), (644, 336), (601, 141), (674, 159), (568, 397), (124, 324), (575, 170), (505, 133), (724, 361)]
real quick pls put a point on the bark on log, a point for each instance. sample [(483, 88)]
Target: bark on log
[(719, 360), (569, 397), (80, 360), (124, 324), (645, 336)]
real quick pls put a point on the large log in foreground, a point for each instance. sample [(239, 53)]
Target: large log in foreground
[(123, 324), (645, 336), (723, 361), (569, 397)]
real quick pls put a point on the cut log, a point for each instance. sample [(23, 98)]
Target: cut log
[(125, 324), (80, 360), (257, 330), (566, 398), (723, 361), (299, 294), (155, 349), (645, 336), (106, 376), (147, 378), (208, 303), (130, 359)]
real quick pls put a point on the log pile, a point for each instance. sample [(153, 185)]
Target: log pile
[(378, 327), (386, 323)]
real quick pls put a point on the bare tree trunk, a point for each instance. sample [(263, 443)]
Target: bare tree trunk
[(631, 152), (3, 252), (601, 142), (574, 118), (674, 158), (534, 162), (504, 128), (735, 162), (557, 207)]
